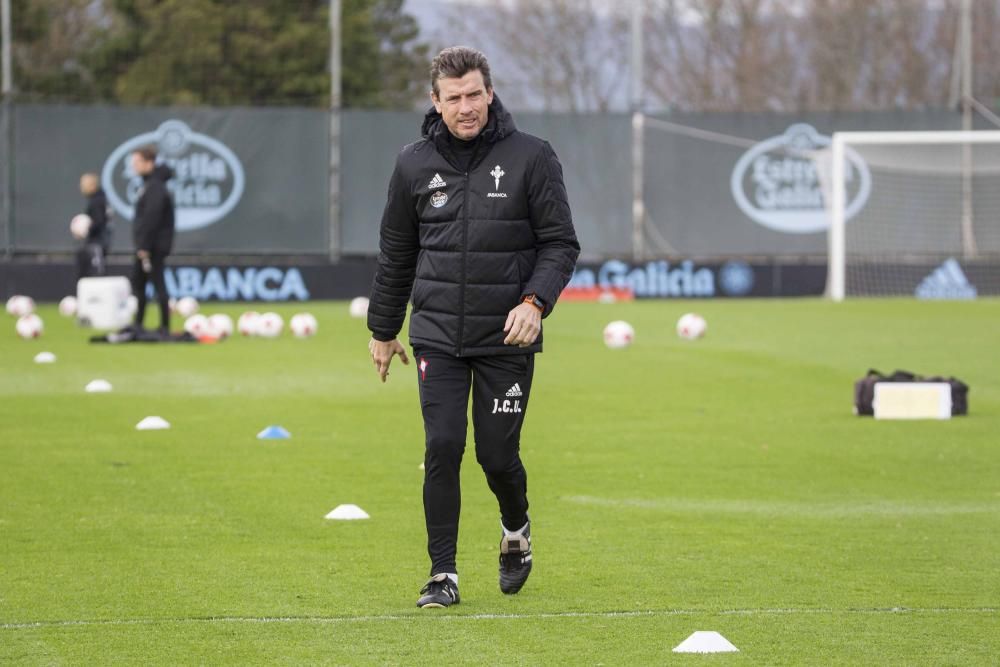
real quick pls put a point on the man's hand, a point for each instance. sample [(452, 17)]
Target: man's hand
[(523, 325), (147, 263), (382, 353)]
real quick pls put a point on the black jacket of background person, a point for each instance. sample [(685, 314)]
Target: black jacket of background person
[(471, 248), (97, 209), (153, 225)]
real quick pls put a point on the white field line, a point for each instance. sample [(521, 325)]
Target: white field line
[(419, 616), (875, 508)]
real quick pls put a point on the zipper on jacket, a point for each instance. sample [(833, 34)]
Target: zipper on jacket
[(465, 251)]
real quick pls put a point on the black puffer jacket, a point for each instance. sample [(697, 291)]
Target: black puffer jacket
[(153, 224), (470, 245), (100, 216)]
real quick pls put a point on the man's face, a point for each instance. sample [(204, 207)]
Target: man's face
[(88, 184), (140, 165), (464, 104)]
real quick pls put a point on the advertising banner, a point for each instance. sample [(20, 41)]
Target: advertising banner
[(245, 180)]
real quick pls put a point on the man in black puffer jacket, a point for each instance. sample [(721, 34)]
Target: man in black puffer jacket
[(477, 229), (153, 234)]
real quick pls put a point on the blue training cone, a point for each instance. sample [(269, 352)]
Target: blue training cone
[(274, 432)]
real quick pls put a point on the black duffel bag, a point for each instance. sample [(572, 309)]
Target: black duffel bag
[(864, 390)]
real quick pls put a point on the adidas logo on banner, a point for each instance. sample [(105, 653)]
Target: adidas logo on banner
[(948, 281), (436, 182), (514, 391)]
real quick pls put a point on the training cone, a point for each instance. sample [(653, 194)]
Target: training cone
[(45, 358), (97, 387), (274, 432), (153, 423), (347, 513), (705, 642)]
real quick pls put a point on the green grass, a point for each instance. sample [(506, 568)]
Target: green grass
[(718, 485)]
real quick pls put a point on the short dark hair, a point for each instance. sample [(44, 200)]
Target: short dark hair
[(457, 61), (148, 152)]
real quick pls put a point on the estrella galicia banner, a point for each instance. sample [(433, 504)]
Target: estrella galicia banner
[(777, 184), (687, 279), (208, 179), (755, 186), (246, 181)]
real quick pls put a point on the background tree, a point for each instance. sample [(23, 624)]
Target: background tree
[(759, 55), (385, 66), (220, 53), (555, 55), (559, 55), (51, 38)]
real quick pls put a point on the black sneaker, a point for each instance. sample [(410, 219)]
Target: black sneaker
[(440, 591), (515, 560)]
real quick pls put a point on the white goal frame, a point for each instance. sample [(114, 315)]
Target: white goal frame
[(836, 245)]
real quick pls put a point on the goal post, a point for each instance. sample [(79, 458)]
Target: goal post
[(934, 197)]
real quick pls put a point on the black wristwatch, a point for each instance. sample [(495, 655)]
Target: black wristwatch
[(535, 301)]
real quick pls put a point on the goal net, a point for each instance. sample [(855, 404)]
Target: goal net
[(913, 214)]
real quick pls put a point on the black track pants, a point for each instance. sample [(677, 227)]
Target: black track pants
[(139, 280), (500, 387)]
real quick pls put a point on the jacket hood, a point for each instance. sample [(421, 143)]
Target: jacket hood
[(161, 172), (499, 125)]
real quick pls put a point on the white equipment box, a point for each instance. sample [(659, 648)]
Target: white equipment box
[(102, 303), (912, 400)]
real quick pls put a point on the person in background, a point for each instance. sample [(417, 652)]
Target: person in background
[(92, 257), (153, 234)]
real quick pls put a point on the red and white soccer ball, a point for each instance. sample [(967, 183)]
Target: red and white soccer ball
[(248, 322), (79, 226), (67, 307), (20, 305), (187, 306), (303, 325), (691, 326), (198, 325), (221, 325), (359, 306), (618, 334), (29, 326), (270, 325)]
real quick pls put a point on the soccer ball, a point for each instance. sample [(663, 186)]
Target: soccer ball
[(79, 226), (247, 323), (132, 304), (607, 297), (691, 326), (187, 306), (198, 325), (29, 326), (67, 307), (359, 306), (19, 305), (618, 334), (303, 325), (221, 325), (270, 325)]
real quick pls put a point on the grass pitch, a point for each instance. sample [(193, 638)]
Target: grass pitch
[(717, 485)]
